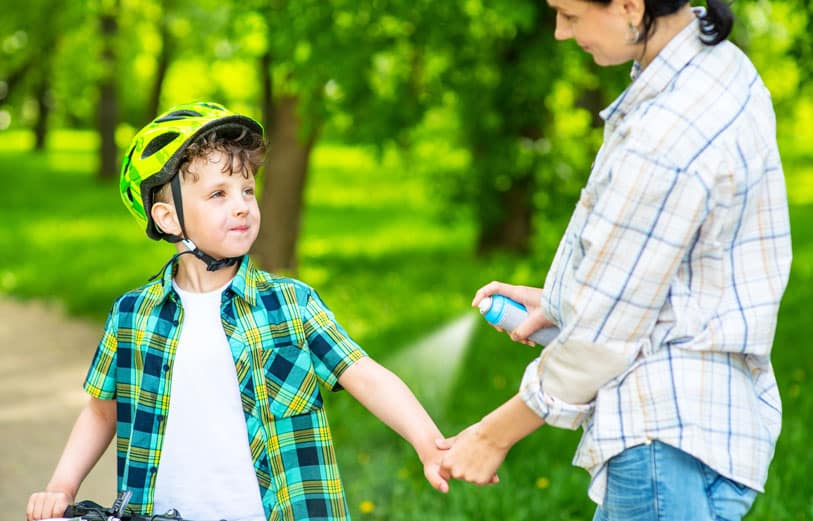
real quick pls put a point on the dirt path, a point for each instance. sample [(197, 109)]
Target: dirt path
[(43, 360)]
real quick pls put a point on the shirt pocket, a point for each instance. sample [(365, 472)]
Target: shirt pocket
[(291, 381)]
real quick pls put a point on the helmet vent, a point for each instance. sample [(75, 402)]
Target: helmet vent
[(158, 143), (179, 114)]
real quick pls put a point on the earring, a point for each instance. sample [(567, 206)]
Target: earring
[(633, 34)]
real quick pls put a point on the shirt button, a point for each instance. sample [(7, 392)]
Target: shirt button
[(153, 470), (166, 367), (160, 418), (647, 441)]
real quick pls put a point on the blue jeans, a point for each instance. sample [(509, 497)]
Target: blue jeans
[(657, 482)]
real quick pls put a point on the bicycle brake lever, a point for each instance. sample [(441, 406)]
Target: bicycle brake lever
[(121, 502)]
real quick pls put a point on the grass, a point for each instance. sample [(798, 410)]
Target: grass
[(393, 272)]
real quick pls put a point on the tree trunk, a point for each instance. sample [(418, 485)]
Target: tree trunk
[(161, 68), (267, 81), (512, 231), (286, 168), (43, 96), (107, 116), (44, 103)]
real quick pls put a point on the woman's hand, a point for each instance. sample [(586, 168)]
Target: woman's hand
[(471, 456), (477, 452), (528, 296)]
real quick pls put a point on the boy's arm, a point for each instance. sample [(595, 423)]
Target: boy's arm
[(390, 400), (91, 434)]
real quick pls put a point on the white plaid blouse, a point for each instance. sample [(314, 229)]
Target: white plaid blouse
[(667, 282)]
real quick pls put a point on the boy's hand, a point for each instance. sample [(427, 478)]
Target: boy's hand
[(43, 505), (431, 470)]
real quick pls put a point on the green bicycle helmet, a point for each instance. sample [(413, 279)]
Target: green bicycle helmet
[(156, 152)]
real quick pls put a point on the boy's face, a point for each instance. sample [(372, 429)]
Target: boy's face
[(220, 210)]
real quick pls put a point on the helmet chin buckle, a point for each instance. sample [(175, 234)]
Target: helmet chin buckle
[(212, 264)]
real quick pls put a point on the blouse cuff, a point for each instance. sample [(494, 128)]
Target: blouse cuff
[(551, 409)]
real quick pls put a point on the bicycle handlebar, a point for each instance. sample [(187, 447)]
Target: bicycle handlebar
[(91, 511)]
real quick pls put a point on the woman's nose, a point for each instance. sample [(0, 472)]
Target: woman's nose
[(563, 30)]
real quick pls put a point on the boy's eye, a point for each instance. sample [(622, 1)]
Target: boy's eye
[(249, 191), (218, 193)]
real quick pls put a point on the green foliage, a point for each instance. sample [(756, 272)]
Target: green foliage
[(521, 106), (392, 273)]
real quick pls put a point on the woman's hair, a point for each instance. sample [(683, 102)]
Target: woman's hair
[(715, 23)]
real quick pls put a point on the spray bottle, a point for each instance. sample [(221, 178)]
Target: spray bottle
[(508, 314)]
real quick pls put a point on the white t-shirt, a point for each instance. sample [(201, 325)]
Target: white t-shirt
[(206, 471)]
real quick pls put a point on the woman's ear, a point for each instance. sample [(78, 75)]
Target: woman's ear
[(165, 218), (634, 11)]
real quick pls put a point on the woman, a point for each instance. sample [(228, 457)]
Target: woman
[(667, 282)]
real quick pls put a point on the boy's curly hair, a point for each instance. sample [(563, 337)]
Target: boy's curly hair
[(244, 152)]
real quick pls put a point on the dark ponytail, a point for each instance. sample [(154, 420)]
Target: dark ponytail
[(716, 24)]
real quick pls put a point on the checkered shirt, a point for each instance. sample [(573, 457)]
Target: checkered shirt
[(284, 343), (674, 262)]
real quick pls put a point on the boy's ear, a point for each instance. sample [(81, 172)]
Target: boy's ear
[(165, 218)]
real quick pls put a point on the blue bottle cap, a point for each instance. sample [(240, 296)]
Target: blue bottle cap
[(492, 308)]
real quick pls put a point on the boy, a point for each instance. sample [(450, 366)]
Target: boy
[(209, 374)]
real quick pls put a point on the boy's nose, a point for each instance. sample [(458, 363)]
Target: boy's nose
[(240, 206)]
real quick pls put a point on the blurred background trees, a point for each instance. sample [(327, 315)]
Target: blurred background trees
[(417, 141), (478, 78)]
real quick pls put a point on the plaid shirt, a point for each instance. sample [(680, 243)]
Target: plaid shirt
[(667, 282), (284, 342)]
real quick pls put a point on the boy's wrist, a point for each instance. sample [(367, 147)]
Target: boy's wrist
[(57, 487), (425, 446)]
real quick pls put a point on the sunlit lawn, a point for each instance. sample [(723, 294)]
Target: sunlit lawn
[(394, 272)]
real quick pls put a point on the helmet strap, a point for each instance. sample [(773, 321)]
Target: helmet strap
[(212, 264), (176, 198)]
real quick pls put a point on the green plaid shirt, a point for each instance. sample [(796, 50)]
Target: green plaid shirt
[(284, 342)]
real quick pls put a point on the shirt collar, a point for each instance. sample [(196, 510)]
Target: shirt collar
[(649, 82), (244, 283)]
